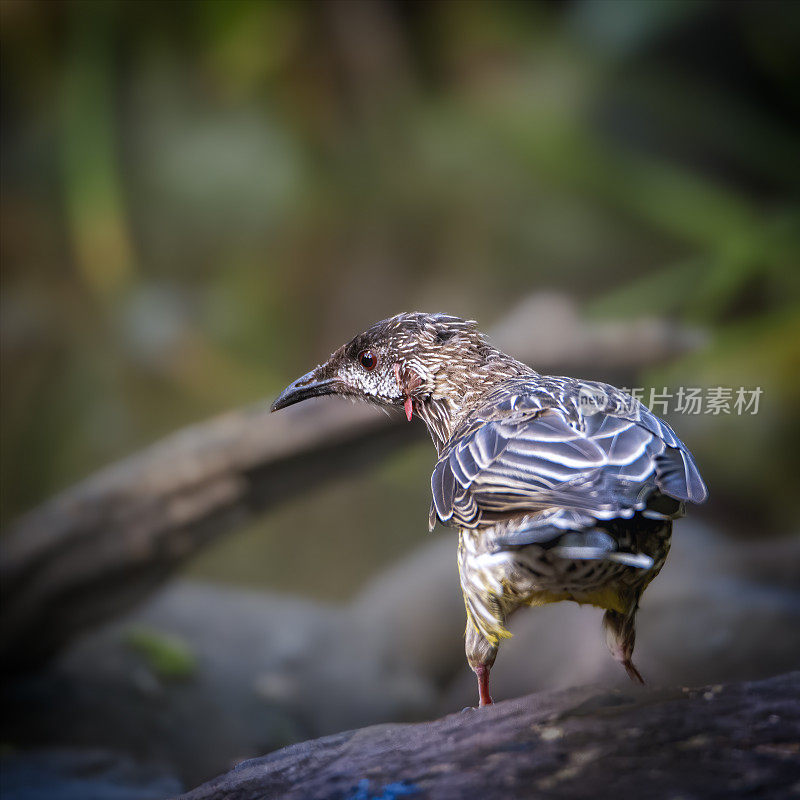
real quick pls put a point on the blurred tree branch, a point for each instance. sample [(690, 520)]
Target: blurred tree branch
[(99, 547)]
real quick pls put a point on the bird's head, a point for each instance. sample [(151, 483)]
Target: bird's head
[(410, 360)]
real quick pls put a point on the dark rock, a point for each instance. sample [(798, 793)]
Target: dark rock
[(740, 740), (269, 671)]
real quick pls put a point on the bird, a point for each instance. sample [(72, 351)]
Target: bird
[(561, 489)]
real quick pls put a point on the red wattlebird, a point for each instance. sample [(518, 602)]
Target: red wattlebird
[(561, 489)]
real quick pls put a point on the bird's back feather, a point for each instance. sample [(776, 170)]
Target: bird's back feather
[(534, 445)]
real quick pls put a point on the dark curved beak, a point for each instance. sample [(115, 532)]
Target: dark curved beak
[(312, 384)]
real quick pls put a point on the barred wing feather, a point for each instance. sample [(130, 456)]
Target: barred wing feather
[(541, 459)]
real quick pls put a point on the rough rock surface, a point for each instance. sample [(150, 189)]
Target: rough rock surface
[(740, 740)]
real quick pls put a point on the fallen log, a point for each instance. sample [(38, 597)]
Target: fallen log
[(730, 741)]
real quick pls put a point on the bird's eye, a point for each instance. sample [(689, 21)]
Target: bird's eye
[(368, 360)]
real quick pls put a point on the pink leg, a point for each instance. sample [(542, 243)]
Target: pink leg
[(482, 672), (633, 673), (620, 637)]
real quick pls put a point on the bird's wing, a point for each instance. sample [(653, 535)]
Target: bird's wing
[(607, 467)]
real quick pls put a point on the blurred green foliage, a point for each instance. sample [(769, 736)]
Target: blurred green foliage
[(202, 199), (168, 656)]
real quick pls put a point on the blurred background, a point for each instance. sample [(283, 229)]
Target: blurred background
[(200, 200)]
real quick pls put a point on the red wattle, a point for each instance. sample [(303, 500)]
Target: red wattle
[(408, 405)]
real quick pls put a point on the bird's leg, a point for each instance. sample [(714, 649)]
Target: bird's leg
[(621, 637), (482, 671), (480, 655)]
